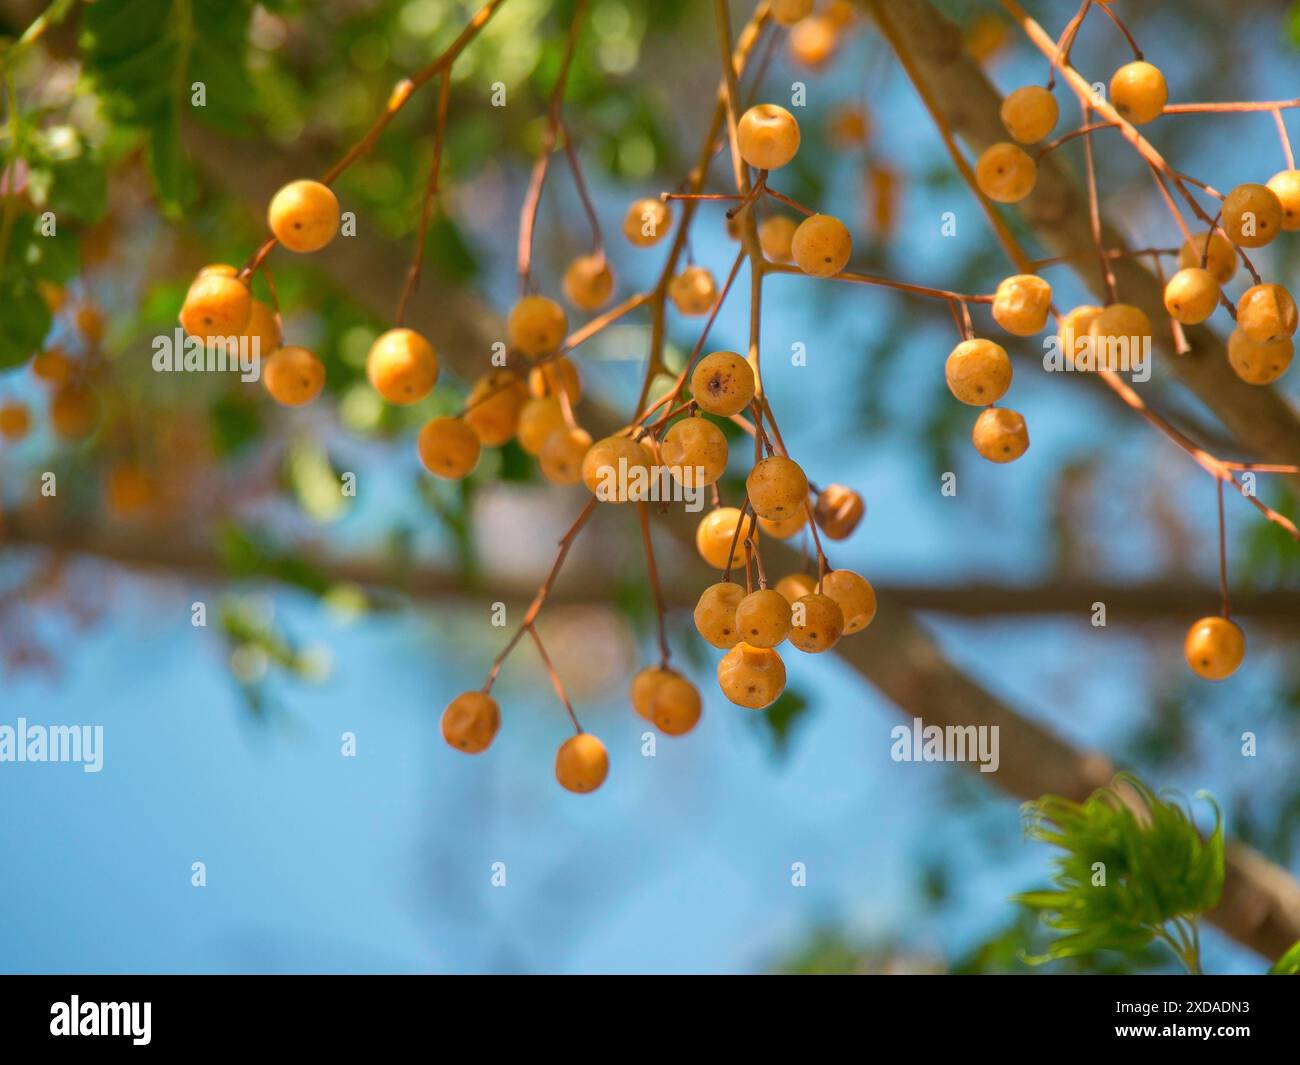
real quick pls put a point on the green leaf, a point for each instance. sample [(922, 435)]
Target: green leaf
[(1288, 964), (26, 319)]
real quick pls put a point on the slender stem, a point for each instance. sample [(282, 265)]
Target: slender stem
[(1094, 217), (643, 513), (1286, 140), (1223, 551), (426, 204), (885, 282), (555, 677)]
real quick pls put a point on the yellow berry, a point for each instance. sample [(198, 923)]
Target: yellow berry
[(838, 511), (821, 246), (1222, 258), (402, 366), (53, 367), (448, 447), (1075, 335), (1120, 336), (788, 12), (263, 329), (816, 623), (1191, 295), (1022, 303), (536, 326), (555, 376), (767, 136), (1138, 92), (15, 420), (715, 535), (848, 127), (794, 586), (784, 528), (813, 41), (494, 405), (1214, 648), (752, 677), (74, 412), (763, 618), (693, 291), (647, 221), (471, 721), (978, 372), (304, 215), (667, 699), (855, 596), (776, 237), (539, 418), (581, 763), (695, 452), (588, 282), (1030, 113), (777, 487), (616, 470), (216, 307), (1006, 173), (1252, 215), (1259, 363), (715, 613), (1285, 185), (129, 491), (1000, 435), (723, 383), (561, 456), (1266, 313), (293, 376)]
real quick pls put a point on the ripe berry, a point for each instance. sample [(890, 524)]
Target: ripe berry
[(1006, 173), (608, 469), (694, 450), (581, 763), (129, 491), (562, 454), (821, 246), (848, 127), (794, 586), (647, 221), (53, 366), (15, 420), (838, 511), (1074, 333), (74, 412), (1252, 215), (448, 447), (263, 328), (752, 677), (1256, 363), (402, 366), (978, 372), (813, 41), (855, 596), (555, 376), (1191, 295), (538, 419), (714, 536), (536, 326), (1285, 185), (1214, 648), (304, 215), (1000, 435), (763, 618), (776, 237), (494, 405), (1120, 336), (715, 613), (1022, 303), (1138, 92), (470, 722), (788, 12), (767, 136), (666, 698), (1266, 312), (723, 383), (588, 282), (816, 624), (1221, 261), (293, 376), (784, 528), (777, 487), (693, 291), (1030, 113), (216, 306)]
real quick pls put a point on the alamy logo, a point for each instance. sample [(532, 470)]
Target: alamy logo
[(102, 1018), (180, 353), (954, 743), (658, 484), (53, 743), (1085, 353)]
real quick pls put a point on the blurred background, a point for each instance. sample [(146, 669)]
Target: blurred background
[(328, 615)]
